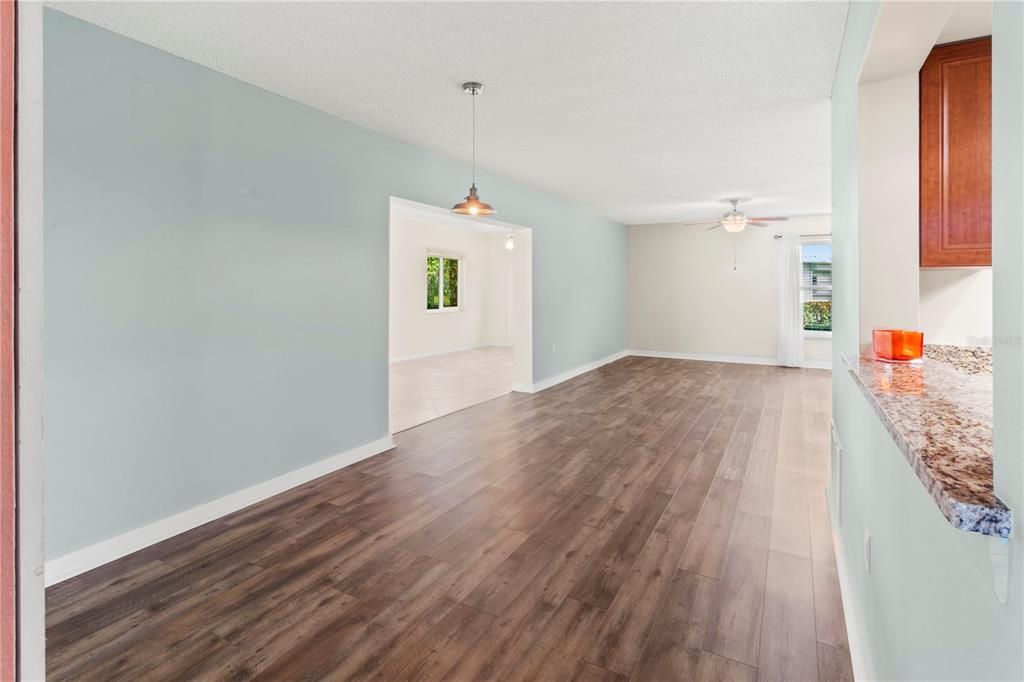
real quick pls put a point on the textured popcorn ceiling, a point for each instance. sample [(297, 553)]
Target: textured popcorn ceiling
[(645, 112)]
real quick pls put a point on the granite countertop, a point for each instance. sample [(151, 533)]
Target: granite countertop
[(939, 412), (970, 359)]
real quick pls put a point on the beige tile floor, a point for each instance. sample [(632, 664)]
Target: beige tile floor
[(428, 388)]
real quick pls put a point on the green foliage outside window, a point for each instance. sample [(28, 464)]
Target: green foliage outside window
[(442, 282), (433, 282), (818, 316), (451, 283)]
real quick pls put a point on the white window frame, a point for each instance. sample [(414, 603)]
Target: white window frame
[(814, 333), (445, 255)]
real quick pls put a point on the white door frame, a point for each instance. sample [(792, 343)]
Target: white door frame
[(522, 276)]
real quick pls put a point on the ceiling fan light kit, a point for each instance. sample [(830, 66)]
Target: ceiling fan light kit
[(735, 220), (472, 205), (733, 223)]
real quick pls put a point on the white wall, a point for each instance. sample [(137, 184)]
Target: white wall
[(956, 306), (888, 204), (685, 297), (498, 290), (818, 351), (31, 592), (484, 289)]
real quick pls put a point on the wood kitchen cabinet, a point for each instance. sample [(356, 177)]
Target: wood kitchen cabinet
[(956, 155)]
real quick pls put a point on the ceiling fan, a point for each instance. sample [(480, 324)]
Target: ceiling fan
[(735, 220)]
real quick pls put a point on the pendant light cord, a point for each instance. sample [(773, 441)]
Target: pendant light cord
[(474, 137)]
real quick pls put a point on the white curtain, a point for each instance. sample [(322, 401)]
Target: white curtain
[(791, 338)]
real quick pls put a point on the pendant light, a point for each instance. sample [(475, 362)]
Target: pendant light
[(472, 204)]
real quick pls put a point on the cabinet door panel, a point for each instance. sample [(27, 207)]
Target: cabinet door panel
[(956, 155)]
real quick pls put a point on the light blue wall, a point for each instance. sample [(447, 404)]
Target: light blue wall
[(216, 281), (927, 609), (860, 20), (1008, 249)]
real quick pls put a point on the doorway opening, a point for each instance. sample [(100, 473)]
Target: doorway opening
[(460, 311)]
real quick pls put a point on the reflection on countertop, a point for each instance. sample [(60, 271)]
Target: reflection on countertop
[(939, 412)]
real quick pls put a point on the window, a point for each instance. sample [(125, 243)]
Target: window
[(816, 285), (443, 282)]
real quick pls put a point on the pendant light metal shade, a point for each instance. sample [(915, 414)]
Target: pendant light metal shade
[(472, 205)]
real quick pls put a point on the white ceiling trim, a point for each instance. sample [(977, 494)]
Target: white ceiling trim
[(417, 211)]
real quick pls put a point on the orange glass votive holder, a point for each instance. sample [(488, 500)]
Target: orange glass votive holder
[(897, 345)]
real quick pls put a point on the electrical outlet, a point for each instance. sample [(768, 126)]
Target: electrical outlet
[(734, 335), (867, 550)]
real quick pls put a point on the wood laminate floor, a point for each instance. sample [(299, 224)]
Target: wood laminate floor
[(650, 520)]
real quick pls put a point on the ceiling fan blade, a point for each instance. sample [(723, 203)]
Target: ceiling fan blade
[(701, 222), (761, 220), (757, 224), (714, 227)]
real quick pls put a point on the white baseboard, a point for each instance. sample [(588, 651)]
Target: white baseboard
[(90, 557), (705, 357), (702, 357), (446, 352), (860, 651), (737, 359), (565, 376)]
